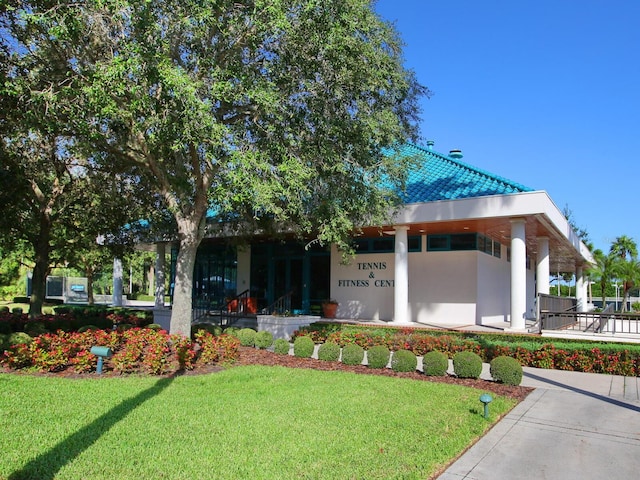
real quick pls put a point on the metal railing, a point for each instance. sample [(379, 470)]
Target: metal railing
[(592, 322), (222, 312), (282, 306)]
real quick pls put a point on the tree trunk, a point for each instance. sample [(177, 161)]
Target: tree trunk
[(89, 274), (190, 237), (40, 270)]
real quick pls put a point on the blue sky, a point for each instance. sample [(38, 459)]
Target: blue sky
[(545, 93)]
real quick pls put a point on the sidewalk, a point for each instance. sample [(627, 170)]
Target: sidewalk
[(572, 426)]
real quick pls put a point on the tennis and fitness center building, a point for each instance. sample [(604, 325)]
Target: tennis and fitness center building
[(467, 247)]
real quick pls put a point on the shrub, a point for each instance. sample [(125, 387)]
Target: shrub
[(35, 328), (329, 351), (207, 327), (247, 337), (506, 370), (3, 342), (18, 338), (4, 309), (155, 327), (378, 357), (281, 346), (352, 354), (404, 361), (303, 347), (16, 310), (467, 365), (264, 339), (435, 363), (232, 331)]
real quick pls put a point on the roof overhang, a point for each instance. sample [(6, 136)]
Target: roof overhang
[(492, 215)]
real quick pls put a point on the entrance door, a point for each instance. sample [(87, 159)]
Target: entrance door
[(289, 277)]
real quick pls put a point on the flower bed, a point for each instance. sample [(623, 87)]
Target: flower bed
[(595, 357), (134, 351)]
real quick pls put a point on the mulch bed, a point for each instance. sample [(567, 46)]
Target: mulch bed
[(254, 356)]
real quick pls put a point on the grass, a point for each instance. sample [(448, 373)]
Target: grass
[(245, 422)]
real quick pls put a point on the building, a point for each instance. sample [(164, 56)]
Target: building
[(468, 247)]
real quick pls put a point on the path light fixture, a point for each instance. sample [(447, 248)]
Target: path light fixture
[(101, 353), (486, 399)]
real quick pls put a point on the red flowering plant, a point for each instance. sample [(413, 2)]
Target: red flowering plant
[(185, 352)]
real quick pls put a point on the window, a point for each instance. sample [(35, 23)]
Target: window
[(415, 243), (438, 243)]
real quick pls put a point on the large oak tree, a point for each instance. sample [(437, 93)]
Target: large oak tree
[(242, 114)]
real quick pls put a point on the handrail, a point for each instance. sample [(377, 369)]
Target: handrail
[(281, 306), (592, 322)]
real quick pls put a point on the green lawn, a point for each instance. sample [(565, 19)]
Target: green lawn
[(245, 422)]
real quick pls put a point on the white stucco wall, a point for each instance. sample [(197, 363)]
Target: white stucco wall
[(442, 287), (494, 287), (364, 287)]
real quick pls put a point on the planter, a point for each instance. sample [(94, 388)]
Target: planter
[(329, 310), (283, 327)]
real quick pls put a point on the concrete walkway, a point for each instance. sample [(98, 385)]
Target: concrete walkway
[(572, 426)]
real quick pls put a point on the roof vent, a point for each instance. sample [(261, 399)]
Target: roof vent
[(430, 144), (455, 153)]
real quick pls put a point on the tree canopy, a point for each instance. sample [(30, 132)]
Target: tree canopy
[(262, 114)]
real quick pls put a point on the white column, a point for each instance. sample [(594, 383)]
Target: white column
[(159, 281), (518, 274), (542, 266), (401, 277), (581, 303), (117, 282)]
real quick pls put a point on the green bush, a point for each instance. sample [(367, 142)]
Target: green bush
[(404, 361), (233, 331), (155, 327), (435, 363), (303, 347), (378, 357), (467, 365), (4, 344), (247, 337), (281, 346), (352, 354), (207, 327), (506, 370), (16, 310), (18, 338), (264, 339), (4, 309), (329, 351), (35, 328)]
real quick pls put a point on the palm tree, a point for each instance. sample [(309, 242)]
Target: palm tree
[(624, 247), (629, 272), (601, 271)]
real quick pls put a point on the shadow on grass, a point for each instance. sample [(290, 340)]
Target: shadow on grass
[(46, 465)]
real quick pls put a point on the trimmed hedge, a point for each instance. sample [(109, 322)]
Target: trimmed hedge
[(404, 361), (435, 364), (529, 350), (281, 346), (329, 352), (352, 354), (378, 357), (303, 347), (506, 370), (247, 337), (467, 365), (264, 339)]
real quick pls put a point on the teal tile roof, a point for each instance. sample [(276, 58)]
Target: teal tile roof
[(441, 177)]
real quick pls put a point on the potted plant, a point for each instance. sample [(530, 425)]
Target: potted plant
[(329, 308)]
